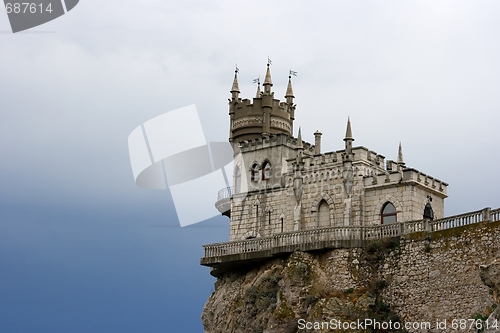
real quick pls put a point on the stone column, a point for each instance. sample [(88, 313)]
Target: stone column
[(317, 142)]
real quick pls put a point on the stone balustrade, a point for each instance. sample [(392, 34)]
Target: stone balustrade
[(460, 220), (333, 237), (495, 215)]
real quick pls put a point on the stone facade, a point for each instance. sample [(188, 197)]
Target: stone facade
[(284, 184)]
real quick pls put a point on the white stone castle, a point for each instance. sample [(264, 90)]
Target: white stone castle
[(282, 183), (288, 195)]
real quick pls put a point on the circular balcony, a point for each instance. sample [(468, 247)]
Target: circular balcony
[(223, 203)]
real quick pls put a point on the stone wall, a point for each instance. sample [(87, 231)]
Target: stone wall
[(436, 276)]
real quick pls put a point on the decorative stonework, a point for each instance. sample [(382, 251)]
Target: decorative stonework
[(319, 198), (247, 121), (250, 234), (277, 123)]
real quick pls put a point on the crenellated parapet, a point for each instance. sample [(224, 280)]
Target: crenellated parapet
[(273, 140), (264, 115), (407, 177)]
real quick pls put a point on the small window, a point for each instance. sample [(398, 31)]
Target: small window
[(255, 173), (266, 171), (388, 214), (428, 212)]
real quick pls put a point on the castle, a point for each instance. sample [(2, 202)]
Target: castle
[(287, 194), (319, 235)]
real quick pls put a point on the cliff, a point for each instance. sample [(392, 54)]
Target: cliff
[(272, 297), (490, 274), (426, 278)]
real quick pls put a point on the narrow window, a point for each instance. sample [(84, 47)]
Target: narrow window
[(388, 214), (269, 217), (323, 214), (266, 171), (255, 173)]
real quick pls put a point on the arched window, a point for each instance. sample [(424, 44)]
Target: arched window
[(237, 180), (428, 212), (266, 171), (323, 214), (255, 173), (388, 214)]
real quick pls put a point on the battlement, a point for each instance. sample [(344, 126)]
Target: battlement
[(405, 177), (361, 157), (272, 140), (263, 116)]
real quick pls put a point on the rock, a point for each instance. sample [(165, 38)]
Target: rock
[(490, 275)]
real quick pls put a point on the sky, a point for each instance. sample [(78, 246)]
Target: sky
[(84, 249)]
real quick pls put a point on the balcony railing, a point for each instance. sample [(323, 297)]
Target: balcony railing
[(317, 238), (225, 193)]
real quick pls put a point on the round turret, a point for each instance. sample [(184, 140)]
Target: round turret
[(265, 116)]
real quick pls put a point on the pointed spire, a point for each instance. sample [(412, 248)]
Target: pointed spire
[(289, 90), (400, 154), (235, 88), (267, 80), (257, 95), (299, 141), (348, 132)]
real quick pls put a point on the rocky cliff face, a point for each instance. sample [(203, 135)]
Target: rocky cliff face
[(274, 296), (490, 274), (423, 278)]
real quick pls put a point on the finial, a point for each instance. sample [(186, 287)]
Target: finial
[(299, 139), (257, 80), (348, 132), (235, 88), (267, 80), (289, 90), (400, 154)]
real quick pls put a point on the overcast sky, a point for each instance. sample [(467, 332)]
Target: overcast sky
[(83, 249)]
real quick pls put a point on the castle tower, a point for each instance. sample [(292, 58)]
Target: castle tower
[(261, 135), (263, 116)]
